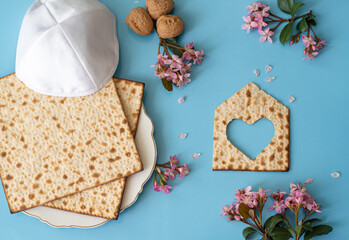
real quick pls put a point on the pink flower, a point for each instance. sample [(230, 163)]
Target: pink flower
[(173, 161), (183, 171), (278, 206), (266, 35), (226, 210), (192, 54), (240, 194), (261, 192), (307, 41), (183, 79), (311, 56), (320, 44), (155, 185), (249, 23), (165, 188), (259, 23), (278, 196), (170, 173), (254, 7), (250, 200)]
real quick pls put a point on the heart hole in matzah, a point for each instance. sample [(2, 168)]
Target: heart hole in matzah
[(250, 139)]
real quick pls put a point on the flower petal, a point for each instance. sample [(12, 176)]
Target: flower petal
[(309, 180), (196, 155), (183, 135), (291, 99), (181, 100), (335, 174), (270, 79), (268, 68), (256, 72)]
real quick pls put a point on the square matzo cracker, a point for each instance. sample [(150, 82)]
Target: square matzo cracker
[(52, 147)]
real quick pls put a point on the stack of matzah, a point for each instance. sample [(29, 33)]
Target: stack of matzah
[(71, 153)]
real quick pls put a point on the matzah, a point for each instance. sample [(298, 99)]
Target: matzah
[(251, 104), (52, 147), (104, 201)]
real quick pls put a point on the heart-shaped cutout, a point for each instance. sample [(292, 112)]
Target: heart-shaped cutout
[(250, 139)]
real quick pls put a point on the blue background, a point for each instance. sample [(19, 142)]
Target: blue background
[(319, 120)]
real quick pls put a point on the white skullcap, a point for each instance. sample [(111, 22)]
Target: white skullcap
[(67, 47)]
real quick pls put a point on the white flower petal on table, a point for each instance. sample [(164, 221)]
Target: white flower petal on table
[(256, 72), (181, 100), (196, 155), (335, 174), (270, 79), (183, 135), (291, 99), (309, 180), (268, 68)]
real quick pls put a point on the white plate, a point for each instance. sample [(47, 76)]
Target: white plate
[(134, 185)]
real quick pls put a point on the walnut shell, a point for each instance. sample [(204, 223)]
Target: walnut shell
[(157, 8), (169, 26), (140, 21)]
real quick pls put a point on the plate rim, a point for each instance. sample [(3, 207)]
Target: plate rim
[(124, 208)]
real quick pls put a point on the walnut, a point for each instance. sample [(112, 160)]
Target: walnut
[(157, 8), (140, 21), (169, 26)]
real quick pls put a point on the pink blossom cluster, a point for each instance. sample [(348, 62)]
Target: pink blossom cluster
[(257, 11), (169, 172), (177, 69), (296, 199), (251, 198), (312, 46)]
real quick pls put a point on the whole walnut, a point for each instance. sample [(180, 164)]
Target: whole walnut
[(169, 26), (157, 8), (140, 21)]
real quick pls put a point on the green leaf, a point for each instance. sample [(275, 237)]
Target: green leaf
[(243, 210), (174, 50), (308, 226), (302, 26), (248, 231), (313, 220), (286, 5), (295, 7), (300, 229), (318, 231), (272, 222), (280, 233), (285, 33), (167, 84)]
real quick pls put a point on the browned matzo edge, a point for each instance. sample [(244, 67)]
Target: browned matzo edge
[(78, 185), (130, 94)]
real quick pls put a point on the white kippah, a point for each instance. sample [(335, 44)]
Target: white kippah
[(67, 47)]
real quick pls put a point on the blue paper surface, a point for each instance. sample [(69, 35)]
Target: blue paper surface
[(318, 119)]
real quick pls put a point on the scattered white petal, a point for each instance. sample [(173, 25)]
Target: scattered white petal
[(196, 155), (335, 174), (136, 2), (309, 180), (291, 99), (268, 68), (256, 72), (181, 100), (270, 79), (183, 135)]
